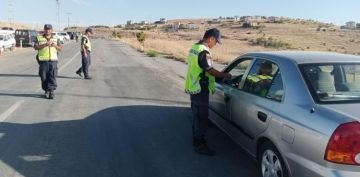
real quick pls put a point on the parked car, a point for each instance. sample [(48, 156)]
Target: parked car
[(59, 36), (306, 123), (65, 35), (7, 41), (71, 34), (8, 29), (26, 36)]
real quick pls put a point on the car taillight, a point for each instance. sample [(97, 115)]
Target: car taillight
[(344, 144)]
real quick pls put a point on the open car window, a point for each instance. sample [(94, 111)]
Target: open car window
[(237, 69)]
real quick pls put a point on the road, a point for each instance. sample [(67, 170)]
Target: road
[(131, 120)]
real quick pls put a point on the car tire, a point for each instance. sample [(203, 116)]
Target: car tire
[(270, 162)]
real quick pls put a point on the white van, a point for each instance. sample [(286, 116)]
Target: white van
[(7, 41)]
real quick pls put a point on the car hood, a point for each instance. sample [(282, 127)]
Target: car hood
[(349, 110)]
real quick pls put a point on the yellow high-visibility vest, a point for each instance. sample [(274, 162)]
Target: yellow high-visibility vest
[(192, 81), (87, 44), (47, 53)]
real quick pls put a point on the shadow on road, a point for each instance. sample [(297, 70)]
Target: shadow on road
[(128, 141), (30, 95), (33, 75), (18, 75)]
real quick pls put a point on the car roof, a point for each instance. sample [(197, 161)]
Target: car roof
[(25, 30), (308, 57)]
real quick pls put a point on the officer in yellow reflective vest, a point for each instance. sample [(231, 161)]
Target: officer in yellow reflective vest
[(199, 83), (260, 83), (85, 49), (48, 46)]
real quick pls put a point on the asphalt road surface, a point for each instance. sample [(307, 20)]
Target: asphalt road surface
[(131, 120)]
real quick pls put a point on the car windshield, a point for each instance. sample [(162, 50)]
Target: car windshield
[(333, 83)]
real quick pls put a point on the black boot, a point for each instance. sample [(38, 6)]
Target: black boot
[(201, 147), (78, 72), (51, 95), (46, 94)]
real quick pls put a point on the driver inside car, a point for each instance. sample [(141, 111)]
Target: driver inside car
[(260, 82)]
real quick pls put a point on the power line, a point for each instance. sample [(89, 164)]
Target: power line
[(58, 13), (11, 12), (68, 18)]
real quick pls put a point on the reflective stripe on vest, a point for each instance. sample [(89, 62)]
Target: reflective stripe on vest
[(256, 78), (87, 44), (255, 88), (47, 53), (192, 81)]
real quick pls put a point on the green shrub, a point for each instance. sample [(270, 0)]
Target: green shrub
[(152, 53), (270, 42), (141, 36), (116, 34)]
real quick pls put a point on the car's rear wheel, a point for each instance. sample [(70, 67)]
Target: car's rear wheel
[(271, 163)]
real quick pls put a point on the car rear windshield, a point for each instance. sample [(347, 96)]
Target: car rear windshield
[(333, 83), (21, 33)]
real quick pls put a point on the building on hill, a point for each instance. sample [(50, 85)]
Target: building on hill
[(161, 21), (350, 25)]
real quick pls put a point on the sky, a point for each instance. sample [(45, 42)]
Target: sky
[(114, 12)]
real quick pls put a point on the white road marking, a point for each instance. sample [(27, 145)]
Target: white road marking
[(68, 62), (9, 111), (16, 105)]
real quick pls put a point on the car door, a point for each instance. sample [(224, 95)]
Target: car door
[(219, 101), (251, 111)]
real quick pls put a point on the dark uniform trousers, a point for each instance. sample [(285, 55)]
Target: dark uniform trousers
[(200, 110), (85, 61), (48, 74)]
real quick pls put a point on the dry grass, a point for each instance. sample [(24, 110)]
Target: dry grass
[(238, 40), (15, 26)]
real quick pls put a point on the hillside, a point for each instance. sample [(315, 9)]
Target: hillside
[(237, 39), (291, 35)]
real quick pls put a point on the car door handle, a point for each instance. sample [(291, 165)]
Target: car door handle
[(262, 116)]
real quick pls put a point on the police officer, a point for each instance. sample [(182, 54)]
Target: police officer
[(47, 56), (199, 83), (85, 48)]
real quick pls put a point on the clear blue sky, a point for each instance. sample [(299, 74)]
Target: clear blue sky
[(113, 12)]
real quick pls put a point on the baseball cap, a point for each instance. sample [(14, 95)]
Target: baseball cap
[(88, 30), (215, 33), (48, 26)]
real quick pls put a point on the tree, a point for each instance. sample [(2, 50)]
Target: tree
[(141, 36)]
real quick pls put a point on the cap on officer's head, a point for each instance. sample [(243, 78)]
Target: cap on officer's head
[(88, 30), (48, 26), (213, 32)]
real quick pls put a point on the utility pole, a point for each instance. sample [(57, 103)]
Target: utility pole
[(68, 19), (58, 13), (11, 12)]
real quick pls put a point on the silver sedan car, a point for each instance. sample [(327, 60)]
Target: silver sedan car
[(297, 113)]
